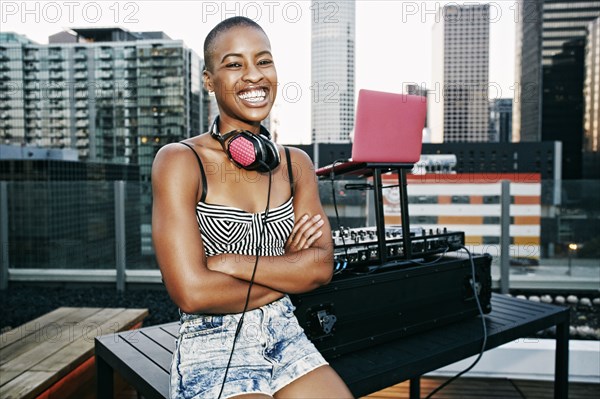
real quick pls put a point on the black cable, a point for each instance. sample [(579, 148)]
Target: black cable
[(391, 186), (358, 186), (484, 327), (440, 257), (258, 252), (337, 215), (366, 186)]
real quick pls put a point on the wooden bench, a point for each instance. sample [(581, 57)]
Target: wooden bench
[(54, 354), (143, 358)]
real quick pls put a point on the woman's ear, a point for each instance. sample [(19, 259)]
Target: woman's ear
[(207, 81)]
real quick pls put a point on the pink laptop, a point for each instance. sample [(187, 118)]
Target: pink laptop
[(388, 129)]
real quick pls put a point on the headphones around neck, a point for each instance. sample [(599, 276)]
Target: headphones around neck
[(248, 150)]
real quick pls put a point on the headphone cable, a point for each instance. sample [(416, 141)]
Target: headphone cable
[(258, 253), (484, 328)]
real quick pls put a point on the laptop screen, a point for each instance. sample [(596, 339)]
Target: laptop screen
[(388, 127)]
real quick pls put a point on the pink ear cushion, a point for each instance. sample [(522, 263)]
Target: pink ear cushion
[(242, 151)]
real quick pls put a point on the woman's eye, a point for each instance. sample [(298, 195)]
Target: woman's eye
[(234, 65), (265, 62)]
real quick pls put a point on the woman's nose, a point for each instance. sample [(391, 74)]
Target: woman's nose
[(252, 73)]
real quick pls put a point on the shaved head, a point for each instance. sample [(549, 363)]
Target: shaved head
[(222, 27)]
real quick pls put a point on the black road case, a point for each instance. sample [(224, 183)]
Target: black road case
[(357, 311)]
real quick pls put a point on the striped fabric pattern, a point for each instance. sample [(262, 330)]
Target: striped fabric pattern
[(227, 229)]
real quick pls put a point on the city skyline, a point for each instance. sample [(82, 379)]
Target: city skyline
[(393, 41)]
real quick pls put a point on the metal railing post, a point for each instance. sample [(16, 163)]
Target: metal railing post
[(3, 235), (120, 251), (505, 237)]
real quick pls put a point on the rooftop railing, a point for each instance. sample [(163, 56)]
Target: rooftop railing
[(541, 234)]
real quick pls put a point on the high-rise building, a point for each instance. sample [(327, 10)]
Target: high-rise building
[(543, 27), (528, 78), (562, 104), (551, 40), (591, 90), (332, 69), (501, 120), (460, 111), (564, 21), (115, 96)]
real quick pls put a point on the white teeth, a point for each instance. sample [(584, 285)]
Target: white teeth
[(253, 95)]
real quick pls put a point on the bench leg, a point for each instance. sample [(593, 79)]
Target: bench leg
[(415, 388), (104, 379), (561, 361)]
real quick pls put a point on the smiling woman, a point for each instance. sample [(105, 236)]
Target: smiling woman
[(240, 62), (229, 268)]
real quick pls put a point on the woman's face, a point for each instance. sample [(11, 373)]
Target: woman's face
[(243, 76)]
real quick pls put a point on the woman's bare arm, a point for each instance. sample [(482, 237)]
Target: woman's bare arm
[(178, 243), (299, 269)]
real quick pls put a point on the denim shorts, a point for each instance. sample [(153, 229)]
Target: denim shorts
[(270, 352)]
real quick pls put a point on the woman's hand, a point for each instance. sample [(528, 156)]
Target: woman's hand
[(305, 232)]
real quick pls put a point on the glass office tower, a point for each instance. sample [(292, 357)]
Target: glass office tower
[(549, 105), (332, 89), (114, 95)]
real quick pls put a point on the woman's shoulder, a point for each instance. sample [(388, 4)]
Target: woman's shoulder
[(171, 155), (177, 156), (298, 155), (174, 151)]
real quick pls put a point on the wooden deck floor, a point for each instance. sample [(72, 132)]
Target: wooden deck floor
[(481, 388), (469, 388)]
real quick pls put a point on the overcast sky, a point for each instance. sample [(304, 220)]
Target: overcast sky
[(393, 39)]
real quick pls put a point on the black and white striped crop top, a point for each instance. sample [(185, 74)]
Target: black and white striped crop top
[(226, 229)]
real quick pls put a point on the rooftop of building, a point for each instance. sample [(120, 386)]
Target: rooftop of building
[(12, 37), (104, 34)]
